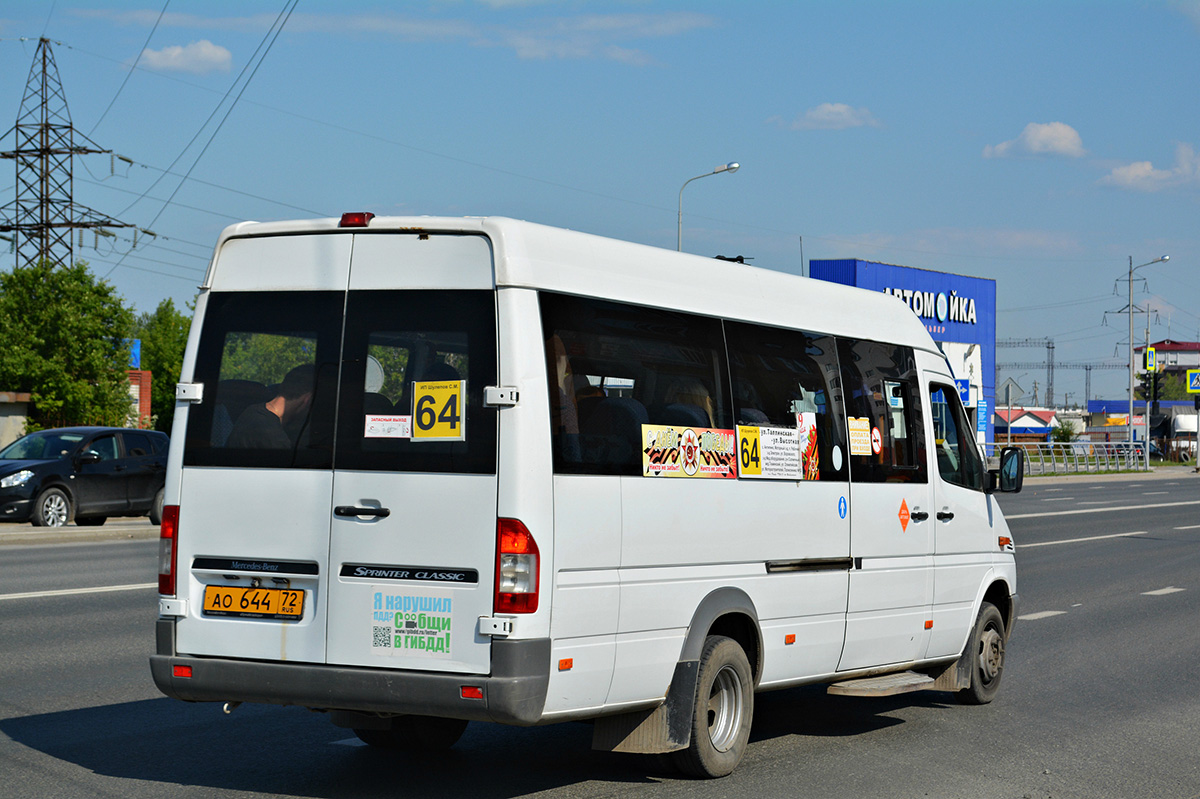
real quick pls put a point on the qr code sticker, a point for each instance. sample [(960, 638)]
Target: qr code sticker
[(381, 636)]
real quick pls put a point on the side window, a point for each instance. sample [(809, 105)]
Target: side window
[(957, 455), (269, 364), (885, 432), (786, 384), (415, 366), (105, 446), (613, 367), (137, 445)]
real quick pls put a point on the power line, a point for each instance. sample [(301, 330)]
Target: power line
[(129, 74)]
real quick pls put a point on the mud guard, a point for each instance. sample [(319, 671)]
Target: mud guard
[(667, 728)]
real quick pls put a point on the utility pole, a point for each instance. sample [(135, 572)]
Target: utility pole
[(44, 213)]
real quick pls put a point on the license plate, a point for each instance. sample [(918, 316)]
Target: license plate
[(253, 603)]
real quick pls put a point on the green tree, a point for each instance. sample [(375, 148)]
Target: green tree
[(64, 335), (163, 334)]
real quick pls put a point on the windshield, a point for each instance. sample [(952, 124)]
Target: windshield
[(41, 446)]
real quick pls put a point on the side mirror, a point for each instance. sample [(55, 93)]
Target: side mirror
[(88, 456), (1010, 477)]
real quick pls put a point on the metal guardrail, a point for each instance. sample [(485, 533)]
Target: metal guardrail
[(1077, 457)]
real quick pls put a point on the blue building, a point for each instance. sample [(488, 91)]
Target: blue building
[(958, 311)]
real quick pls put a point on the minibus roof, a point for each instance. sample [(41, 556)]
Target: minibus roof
[(541, 257)]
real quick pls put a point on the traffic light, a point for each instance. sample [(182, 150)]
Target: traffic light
[(1155, 391)]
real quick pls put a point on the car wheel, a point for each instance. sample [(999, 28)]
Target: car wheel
[(91, 521), (723, 711), (985, 651), (52, 509), (156, 509)]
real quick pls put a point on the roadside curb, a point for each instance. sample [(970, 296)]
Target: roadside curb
[(25, 534)]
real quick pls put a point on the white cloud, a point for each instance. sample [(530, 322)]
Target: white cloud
[(1142, 176), (1051, 138), (832, 116), (197, 58)]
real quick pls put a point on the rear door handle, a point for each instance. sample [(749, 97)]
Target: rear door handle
[(944, 516), (353, 510), (919, 516)]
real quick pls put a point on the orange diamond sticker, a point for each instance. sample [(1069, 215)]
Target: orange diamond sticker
[(904, 516)]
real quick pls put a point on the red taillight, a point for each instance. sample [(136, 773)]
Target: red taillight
[(356, 219), (516, 568), (168, 537), (181, 671), (471, 692)]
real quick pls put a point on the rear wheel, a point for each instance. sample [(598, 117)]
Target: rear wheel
[(985, 652), (156, 509), (52, 508), (723, 712), (422, 733)]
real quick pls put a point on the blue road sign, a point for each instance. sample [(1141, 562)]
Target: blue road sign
[(1194, 381)]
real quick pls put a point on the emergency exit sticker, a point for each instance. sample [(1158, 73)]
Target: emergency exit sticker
[(438, 410)]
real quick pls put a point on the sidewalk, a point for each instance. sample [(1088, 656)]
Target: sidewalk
[(1155, 473)]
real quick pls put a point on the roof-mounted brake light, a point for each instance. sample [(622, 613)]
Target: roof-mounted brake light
[(356, 219)]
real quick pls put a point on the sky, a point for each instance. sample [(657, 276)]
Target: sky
[(1040, 144)]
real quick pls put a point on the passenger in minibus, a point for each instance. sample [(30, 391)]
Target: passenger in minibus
[(265, 425)]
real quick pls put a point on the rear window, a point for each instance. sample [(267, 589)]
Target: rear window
[(411, 366)]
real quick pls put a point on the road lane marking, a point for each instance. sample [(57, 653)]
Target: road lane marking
[(1080, 540), (1153, 493), (74, 591), (1170, 589), (1101, 510), (1189, 527), (1097, 501), (1045, 614), (1058, 499)]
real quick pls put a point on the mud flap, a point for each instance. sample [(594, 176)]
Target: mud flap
[(666, 728)]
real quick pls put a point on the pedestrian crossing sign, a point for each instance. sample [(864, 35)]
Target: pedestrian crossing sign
[(1194, 381)]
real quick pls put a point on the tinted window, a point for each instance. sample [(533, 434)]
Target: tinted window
[(789, 379), (613, 368), (885, 435), (416, 364), (137, 445), (250, 344), (38, 446), (957, 454)]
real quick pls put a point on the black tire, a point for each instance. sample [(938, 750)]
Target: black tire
[(156, 509), (723, 712), (985, 651), (90, 521), (420, 733), (52, 509)]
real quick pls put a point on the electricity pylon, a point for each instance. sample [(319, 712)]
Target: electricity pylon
[(44, 213)]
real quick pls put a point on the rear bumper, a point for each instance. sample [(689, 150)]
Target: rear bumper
[(514, 693)]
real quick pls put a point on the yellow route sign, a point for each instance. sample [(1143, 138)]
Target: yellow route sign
[(439, 410)]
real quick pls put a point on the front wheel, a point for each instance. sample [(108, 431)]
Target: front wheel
[(52, 509), (723, 711), (985, 652)]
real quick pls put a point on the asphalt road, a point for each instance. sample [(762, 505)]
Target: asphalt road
[(1101, 697)]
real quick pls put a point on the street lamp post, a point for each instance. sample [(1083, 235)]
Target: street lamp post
[(1132, 269), (731, 167)]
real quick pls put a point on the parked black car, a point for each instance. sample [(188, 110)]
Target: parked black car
[(83, 473)]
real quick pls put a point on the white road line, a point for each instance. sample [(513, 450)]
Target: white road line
[(1080, 540), (1101, 510), (1170, 589), (1045, 614), (1189, 527), (1097, 501), (74, 591), (1154, 493), (1058, 499)]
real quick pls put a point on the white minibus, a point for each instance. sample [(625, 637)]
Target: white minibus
[(426, 471)]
